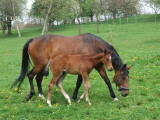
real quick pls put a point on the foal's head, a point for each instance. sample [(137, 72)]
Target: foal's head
[(107, 59)]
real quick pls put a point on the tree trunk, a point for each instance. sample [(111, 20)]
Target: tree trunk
[(3, 33), (114, 15), (79, 26), (3, 30), (46, 19), (4, 26), (9, 24), (19, 34), (155, 17), (97, 23)]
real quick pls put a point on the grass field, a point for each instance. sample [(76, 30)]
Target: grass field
[(137, 44)]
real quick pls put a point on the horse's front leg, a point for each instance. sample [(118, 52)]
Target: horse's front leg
[(78, 84), (39, 79), (102, 72)]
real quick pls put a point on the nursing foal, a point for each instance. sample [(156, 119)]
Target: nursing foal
[(76, 64)]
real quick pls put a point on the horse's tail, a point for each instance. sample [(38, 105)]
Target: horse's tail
[(24, 66)]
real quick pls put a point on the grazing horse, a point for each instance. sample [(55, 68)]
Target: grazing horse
[(42, 49), (76, 64)]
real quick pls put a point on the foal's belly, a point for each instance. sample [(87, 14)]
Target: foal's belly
[(73, 72)]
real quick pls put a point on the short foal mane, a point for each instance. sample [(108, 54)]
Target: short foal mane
[(116, 60)]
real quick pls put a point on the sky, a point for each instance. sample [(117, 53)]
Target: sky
[(29, 3)]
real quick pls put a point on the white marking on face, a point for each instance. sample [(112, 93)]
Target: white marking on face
[(110, 57)]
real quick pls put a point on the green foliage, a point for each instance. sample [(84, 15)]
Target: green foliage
[(61, 9), (137, 44)]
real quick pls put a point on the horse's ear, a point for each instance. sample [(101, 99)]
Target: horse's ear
[(105, 51), (129, 67), (123, 68), (110, 52)]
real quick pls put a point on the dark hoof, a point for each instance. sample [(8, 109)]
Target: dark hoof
[(75, 99), (28, 97)]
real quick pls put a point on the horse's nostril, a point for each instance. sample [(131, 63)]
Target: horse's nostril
[(125, 94)]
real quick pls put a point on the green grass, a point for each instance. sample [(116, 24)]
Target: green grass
[(138, 44)]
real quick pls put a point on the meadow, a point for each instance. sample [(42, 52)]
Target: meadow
[(138, 44)]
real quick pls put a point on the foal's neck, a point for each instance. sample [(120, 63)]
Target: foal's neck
[(96, 58)]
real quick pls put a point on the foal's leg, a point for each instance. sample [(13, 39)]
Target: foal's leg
[(50, 86), (87, 87), (59, 85), (78, 84), (103, 74)]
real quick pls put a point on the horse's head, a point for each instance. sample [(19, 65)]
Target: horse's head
[(121, 78), (107, 59)]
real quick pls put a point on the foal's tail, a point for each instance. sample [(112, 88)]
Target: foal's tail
[(24, 66)]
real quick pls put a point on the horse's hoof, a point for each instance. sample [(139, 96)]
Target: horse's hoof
[(28, 97), (115, 99), (41, 97)]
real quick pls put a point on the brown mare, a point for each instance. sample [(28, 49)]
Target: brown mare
[(42, 49), (76, 64)]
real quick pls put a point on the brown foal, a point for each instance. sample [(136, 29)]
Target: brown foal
[(76, 64)]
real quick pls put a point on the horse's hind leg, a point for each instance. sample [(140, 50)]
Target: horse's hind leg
[(32, 91), (78, 84), (59, 85), (39, 79), (31, 75)]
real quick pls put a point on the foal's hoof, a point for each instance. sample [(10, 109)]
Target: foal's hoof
[(90, 104), (78, 101)]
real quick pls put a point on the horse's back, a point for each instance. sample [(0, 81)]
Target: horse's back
[(47, 46)]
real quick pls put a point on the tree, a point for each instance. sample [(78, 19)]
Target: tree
[(46, 19), (155, 5), (9, 10), (58, 10), (119, 6)]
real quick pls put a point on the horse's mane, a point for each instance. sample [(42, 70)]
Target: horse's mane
[(116, 60)]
